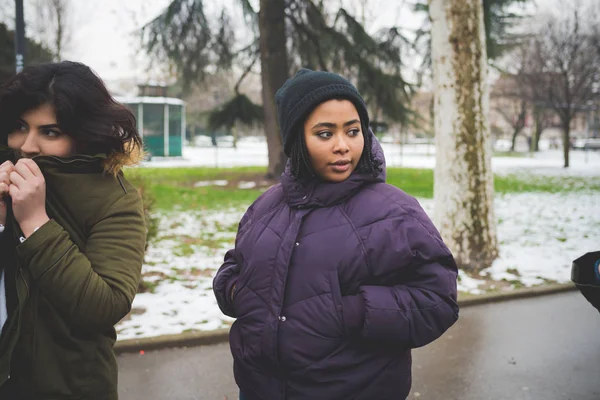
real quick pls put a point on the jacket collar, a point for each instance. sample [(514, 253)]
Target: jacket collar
[(317, 193), (81, 163)]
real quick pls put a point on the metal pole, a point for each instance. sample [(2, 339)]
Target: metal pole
[(19, 35), (166, 130)]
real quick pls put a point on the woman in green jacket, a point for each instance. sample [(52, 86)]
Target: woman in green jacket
[(72, 233)]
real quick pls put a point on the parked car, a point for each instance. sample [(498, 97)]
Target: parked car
[(587, 144), (225, 141), (203, 141)]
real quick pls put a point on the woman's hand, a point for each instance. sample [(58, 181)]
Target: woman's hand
[(5, 170), (28, 193)]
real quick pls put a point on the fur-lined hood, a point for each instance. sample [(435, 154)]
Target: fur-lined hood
[(115, 162)]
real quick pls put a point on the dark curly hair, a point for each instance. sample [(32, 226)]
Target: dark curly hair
[(84, 108), (302, 169)]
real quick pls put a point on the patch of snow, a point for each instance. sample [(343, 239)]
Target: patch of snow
[(210, 183), (181, 267), (541, 234), (468, 284), (247, 185)]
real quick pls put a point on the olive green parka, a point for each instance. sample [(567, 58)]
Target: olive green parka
[(72, 280)]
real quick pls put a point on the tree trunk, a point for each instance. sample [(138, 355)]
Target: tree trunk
[(514, 139), (566, 142), (464, 185), (274, 72), (540, 125), (234, 133), (519, 124)]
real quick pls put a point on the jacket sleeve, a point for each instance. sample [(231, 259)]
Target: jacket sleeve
[(93, 289), (224, 281), (419, 304), (226, 276)]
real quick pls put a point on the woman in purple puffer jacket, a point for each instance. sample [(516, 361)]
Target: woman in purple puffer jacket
[(335, 275)]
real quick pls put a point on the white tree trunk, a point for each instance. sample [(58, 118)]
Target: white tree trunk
[(464, 185)]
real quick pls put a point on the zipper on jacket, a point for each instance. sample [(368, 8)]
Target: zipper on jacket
[(282, 371), (24, 280)]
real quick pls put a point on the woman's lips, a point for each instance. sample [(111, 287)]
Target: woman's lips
[(341, 166)]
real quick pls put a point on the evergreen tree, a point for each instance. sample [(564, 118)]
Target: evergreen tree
[(285, 35)]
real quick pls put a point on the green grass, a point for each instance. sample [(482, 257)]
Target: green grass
[(517, 154), (174, 187), (419, 182), (191, 175), (168, 196)]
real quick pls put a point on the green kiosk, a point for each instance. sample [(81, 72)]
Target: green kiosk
[(161, 123)]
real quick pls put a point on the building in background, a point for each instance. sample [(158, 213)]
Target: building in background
[(160, 120)]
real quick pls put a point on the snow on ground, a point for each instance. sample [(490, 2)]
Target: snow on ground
[(210, 183), (246, 185), (250, 153), (179, 266), (539, 235)]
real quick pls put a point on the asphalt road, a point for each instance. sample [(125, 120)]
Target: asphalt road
[(544, 348)]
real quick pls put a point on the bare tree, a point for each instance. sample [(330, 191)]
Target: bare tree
[(594, 15), (52, 25), (520, 100), (562, 70), (511, 104), (464, 183), (542, 118)]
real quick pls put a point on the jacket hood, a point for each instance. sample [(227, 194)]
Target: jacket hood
[(115, 162), (318, 193)]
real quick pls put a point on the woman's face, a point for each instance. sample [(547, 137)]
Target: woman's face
[(37, 133), (334, 139)]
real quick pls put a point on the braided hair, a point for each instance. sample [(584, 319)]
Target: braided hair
[(302, 169)]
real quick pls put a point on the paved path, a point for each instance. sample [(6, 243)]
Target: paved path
[(545, 348)]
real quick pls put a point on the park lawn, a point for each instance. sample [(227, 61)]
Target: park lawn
[(173, 188)]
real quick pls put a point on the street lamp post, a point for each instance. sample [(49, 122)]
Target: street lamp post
[(19, 35)]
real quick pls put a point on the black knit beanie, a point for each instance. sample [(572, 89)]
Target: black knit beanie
[(306, 90)]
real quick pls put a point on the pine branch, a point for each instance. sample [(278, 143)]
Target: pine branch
[(311, 37), (236, 89)]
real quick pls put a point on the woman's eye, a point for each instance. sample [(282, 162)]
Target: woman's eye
[(51, 133), (324, 135), (20, 127), (354, 132)]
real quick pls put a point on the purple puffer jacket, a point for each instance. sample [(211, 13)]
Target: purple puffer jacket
[(334, 284)]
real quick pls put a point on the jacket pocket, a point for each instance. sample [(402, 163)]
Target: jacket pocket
[(336, 295)]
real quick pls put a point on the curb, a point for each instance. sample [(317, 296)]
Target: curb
[(515, 294), (204, 338), (187, 339)]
